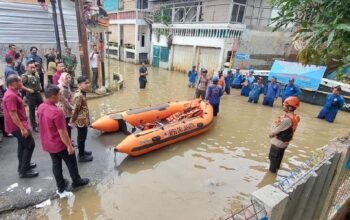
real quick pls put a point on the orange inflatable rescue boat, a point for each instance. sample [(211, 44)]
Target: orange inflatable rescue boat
[(154, 127)]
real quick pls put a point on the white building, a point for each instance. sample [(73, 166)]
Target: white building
[(201, 33), (130, 39)]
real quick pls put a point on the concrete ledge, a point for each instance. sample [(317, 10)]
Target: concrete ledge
[(272, 199)]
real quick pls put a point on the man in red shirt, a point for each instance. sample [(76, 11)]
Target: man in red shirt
[(55, 140), (12, 51), (16, 122), (59, 71)]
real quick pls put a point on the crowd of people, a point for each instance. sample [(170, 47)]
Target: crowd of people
[(252, 87), (62, 109), (56, 115)]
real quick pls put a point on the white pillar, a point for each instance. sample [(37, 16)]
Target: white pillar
[(136, 58), (221, 56)]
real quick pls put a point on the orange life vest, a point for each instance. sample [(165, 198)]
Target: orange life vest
[(221, 81), (287, 135)]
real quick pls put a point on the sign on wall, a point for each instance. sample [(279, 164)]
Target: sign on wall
[(309, 76), (242, 56)]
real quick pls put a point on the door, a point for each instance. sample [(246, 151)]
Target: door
[(209, 59), (156, 52), (183, 56)]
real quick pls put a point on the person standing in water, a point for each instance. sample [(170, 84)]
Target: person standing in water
[(282, 132), (143, 72), (213, 95)]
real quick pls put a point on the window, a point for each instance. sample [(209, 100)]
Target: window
[(228, 58), (142, 4), (238, 11), (130, 55), (143, 40)]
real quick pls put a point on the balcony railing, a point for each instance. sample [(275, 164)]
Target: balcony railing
[(213, 12), (123, 15)]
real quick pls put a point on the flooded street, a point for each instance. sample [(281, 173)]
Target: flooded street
[(200, 178)]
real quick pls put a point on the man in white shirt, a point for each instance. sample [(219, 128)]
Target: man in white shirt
[(94, 57)]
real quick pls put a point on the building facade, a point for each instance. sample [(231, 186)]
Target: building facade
[(130, 38), (27, 24), (202, 33)]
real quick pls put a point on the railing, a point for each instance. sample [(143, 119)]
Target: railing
[(200, 32), (213, 12), (123, 15)]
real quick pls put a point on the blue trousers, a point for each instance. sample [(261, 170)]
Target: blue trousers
[(253, 100), (329, 115), (268, 101), (215, 108), (245, 91)]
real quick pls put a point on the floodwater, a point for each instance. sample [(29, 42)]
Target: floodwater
[(200, 178)]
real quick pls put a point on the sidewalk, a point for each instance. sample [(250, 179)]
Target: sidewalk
[(16, 193)]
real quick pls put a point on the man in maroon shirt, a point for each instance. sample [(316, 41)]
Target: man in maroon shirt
[(16, 122), (55, 140), (59, 71), (12, 51)]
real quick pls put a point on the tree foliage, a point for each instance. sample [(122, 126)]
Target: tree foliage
[(323, 27)]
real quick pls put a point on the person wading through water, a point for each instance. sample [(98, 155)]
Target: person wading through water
[(282, 132)]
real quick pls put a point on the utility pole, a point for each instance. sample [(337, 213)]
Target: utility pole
[(57, 34), (83, 46), (62, 23)]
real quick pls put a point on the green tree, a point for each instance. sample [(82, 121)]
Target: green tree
[(323, 27)]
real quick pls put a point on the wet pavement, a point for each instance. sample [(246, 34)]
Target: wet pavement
[(200, 178)]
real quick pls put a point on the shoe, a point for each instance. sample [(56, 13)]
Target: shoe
[(87, 152), (80, 182), (35, 129), (29, 174), (86, 158), (32, 165), (8, 135), (66, 183)]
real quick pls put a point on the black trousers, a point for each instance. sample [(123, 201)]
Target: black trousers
[(34, 100), (143, 82), (94, 77), (50, 79), (200, 94), (215, 109), (275, 156), (41, 76), (71, 163), (69, 129), (2, 126), (82, 133), (24, 151)]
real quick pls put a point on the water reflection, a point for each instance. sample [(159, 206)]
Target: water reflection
[(199, 178)]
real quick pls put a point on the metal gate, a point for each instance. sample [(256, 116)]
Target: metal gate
[(156, 53)]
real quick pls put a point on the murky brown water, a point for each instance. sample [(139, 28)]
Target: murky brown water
[(200, 178)]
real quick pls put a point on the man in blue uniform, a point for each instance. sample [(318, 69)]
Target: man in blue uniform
[(271, 92), (334, 102), (291, 90), (237, 79), (248, 81), (228, 82), (213, 95), (192, 77), (257, 89)]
